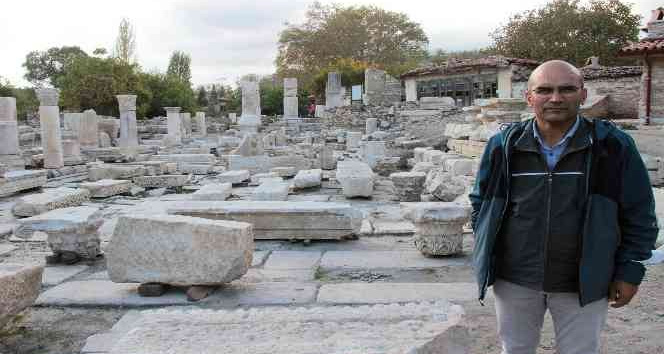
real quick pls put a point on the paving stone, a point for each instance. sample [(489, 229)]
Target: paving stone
[(424, 328), (100, 343), (386, 259), (292, 260), (54, 275), (259, 275), (382, 293)]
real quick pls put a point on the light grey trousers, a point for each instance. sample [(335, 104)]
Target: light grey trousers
[(521, 310)]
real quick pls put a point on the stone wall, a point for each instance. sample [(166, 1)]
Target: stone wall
[(657, 89), (623, 94)]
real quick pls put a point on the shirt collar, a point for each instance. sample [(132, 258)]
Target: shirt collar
[(568, 135)]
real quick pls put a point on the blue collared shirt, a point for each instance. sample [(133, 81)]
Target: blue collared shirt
[(553, 153)]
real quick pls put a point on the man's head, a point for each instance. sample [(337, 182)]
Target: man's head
[(555, 91)]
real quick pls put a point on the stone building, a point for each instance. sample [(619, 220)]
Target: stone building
[(613, 91), (650, 52), (466, 80)]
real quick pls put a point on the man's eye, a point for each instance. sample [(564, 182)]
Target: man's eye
[(566, 90), (543, 91)]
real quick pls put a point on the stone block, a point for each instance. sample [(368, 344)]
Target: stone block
[(161, 181), (73, 229), (395, 328), (439, 226), (257, 178), (234, 177), (308, 178), (213, 191), (280, 220), (254, 164), (433, 156), (107, 187), (179, 250), (460, 167), (98, 172), (19, 290), (51, 199), (271, 190), (16, 181), (408, 185), (356, 178), (287, 171)]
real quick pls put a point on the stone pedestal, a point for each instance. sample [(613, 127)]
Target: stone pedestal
[(327, 159), (353, 140), (10, 154), (186, 125), (334, 92), (290, 99), (202, 123), (408, 185), (88, 134), (128, 129), (251, 105), (371, 125), (439, 226), (356, 178), (174, 120), (373, 152), (49, 119), (71, 148)]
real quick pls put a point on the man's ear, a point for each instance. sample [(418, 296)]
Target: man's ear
[(528, 96), (584, 95)]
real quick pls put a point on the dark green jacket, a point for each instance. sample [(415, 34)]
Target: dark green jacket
[(619, 226)]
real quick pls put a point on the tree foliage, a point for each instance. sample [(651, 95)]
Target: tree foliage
[(202, 97), (26, 99), (167, 91), (125, 43), (46, 67), (565, 29), (179, 66), (351, 71), (363, 33), (6, 89)]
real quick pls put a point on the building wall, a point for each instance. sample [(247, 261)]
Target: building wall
[(505, 83), (519, 89), (657, 88), (624, 94), (411, 90)]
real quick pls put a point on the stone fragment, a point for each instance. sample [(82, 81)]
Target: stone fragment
[(439, 226), (174, 119), (19, 290), (443, 185), (234, 177), (250, 145), (286, 171), (271, 190), (107, 187), (50, 199), (418, 153), (99, 171), (257, 178), (308, 178), (327, 159), (69, 230), (460, 167), (423, 167), (408, 185), (278, 219), (371, 125), (433, 156), (353, 140), (391, 329), (161, 181), (179, 250), (16, 181), (373, 151), (356, 178), (213, 191)]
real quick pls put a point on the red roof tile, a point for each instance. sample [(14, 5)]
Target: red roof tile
[(454, 65), (647, 45)]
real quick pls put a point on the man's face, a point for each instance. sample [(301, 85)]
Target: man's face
[(555, 94)]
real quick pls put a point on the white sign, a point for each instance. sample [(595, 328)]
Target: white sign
[(356, 92)]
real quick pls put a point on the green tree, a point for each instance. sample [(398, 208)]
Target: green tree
[(202, 99), (167, 91), (6, 89), (46, 67), (125, 43), (366, 33), (272, 96), (233, 99), (565, 29), (26, 102), (214, 97), (351, 71), (179, 66)]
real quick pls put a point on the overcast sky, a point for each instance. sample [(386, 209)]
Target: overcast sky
[(226, 39)]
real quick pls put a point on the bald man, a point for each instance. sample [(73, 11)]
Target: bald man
[(563, 215)]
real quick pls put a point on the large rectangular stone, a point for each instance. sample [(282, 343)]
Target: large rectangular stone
[(51, 199), (356, 178), (271, 190), (213, 191), (383, 293), (20, 287), (16, 181), (280, 220), (391, 329), (234, 177), (179, 250), (107, 187), (161, 181)]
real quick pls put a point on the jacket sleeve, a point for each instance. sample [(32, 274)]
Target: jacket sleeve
[(637, 220), (478, 193)]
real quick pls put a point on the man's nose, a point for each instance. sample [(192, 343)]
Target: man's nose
[(556, 96)]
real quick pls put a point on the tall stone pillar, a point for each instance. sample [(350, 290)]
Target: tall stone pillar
[(186, 125), (88, 134), (371, 125), (49, 120), (202, 124), (334, 92), (250, 119), (128, 128), (290, 100), (10, 154), (174, 126)]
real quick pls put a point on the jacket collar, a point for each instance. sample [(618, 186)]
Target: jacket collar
[(527, 141)]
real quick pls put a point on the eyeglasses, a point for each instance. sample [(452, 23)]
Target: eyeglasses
[(562, 90)]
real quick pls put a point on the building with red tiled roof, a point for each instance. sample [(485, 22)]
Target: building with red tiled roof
[(650, 51)]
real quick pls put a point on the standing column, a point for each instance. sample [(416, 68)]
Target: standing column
[(250, 119), (202, 124), (290, 99), (10, 154), (186, 125), (49, 120), (334, 92), (174, 125), (128, 129), (88, 134)]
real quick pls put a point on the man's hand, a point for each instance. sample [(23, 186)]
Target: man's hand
[(621, 293)]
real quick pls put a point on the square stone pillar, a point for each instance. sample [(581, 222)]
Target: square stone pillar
[(128, 129), (250, 119), (174, 126), (186, 125), (10, 154), (88, 133), (49, 120), (202, 124), (334, 92), (290, 100), (71, 148)]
